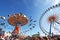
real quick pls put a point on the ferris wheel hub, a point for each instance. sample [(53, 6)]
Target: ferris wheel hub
[(51, 18)]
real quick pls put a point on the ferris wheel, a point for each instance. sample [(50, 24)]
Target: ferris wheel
[(50, 20)]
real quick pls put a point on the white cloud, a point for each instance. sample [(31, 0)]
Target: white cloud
[(54, 2)]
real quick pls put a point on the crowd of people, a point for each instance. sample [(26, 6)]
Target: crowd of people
[(12, 37), (18, 37)]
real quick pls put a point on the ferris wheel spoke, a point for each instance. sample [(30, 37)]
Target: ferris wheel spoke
[(57, 29), (57, 22), (43, 30)]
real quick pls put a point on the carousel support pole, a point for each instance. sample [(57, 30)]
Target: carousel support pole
[(18, 28)]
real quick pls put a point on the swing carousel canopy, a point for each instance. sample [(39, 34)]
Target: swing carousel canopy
[(15, 19)]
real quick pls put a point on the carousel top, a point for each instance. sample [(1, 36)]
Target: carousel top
[(16, 19)]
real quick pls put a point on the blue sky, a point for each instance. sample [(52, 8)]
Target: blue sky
[(32, 8)]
